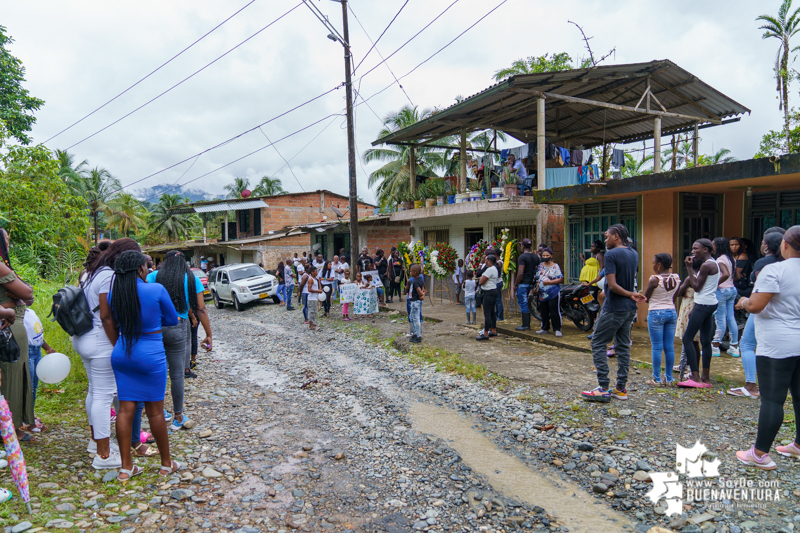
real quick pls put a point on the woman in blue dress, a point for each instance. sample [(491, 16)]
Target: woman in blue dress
[(139, 310)]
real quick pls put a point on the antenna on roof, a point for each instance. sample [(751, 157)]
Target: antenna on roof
[(338, 212)]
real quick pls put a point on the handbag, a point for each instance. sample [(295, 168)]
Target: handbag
[(478, 297), (9, 349)]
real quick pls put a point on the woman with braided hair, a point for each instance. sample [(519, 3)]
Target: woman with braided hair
[(180, 283), (139, 312)]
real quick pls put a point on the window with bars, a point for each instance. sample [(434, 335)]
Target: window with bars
[(588, 223), (773, 209), (244, 221), (431, 236), (518, 229)]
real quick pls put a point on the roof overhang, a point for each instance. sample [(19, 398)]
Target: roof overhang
[(585, 107), (216, 207)]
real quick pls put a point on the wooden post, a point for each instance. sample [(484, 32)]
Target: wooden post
[(540, 144), (604, 162), (462, 163), (674, 151), (657, 145), (412, 168), (205, 228), (695, 144)]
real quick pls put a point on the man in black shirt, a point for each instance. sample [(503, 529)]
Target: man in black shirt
[(364, 261), (527, 265)]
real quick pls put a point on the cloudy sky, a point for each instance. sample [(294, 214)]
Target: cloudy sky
[(79, 54)]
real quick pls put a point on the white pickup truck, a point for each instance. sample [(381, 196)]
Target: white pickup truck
[(240, 284)]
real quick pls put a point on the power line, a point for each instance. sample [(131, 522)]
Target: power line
[(223, 142), (379, 53), (153, 72), (185, 79), (279, 153), (374, 44)]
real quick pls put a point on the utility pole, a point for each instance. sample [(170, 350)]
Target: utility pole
[(351, 146)]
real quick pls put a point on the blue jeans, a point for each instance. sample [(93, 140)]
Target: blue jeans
[(305, 305), (34, 356), (416, 318), (498, 306), (469, 303), (661, 325), (335, 289), (288, 289), (281, 289), (408, 310), (522, 297), (136, 433), (725, 300), (748, 350)]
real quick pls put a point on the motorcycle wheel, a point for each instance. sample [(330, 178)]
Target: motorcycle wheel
[(582, 318), (533, 306)]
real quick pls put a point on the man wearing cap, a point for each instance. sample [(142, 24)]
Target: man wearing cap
[(527, 265)]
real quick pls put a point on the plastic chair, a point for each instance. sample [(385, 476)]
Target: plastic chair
[(527, 184)]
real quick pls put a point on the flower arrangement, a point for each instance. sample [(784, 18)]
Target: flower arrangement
[(475, 254), (405, 251), (509, 254), (443, 260)]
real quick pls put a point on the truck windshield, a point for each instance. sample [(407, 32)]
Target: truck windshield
[(246, 272)]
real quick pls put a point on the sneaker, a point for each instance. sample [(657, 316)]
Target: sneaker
[(715, 351), (733, 351), (5, 495), (559, 334), (416, 340), (792, 450), (92, 447), (597, 395), (113, 415), (114, 460), (189, 375), (542, 332), (175, 426), (3, 463), (750, 458), (619, 394), (167, 416)]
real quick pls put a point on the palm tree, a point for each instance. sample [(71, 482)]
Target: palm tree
[(720, 157), (167, 222), (783, 27), (70, 172), (392, 179), (269, 187), (97, 186), (637, 167), (533, 65), (236, 188), (126, 214)]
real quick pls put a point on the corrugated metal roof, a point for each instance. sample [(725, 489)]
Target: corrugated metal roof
[(230, 206), (506, 106)]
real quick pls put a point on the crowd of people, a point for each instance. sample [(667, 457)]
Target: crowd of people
[(142, 322)]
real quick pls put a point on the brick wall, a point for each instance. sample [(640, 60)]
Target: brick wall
[(383, 234), (309, 208), (551, 229)]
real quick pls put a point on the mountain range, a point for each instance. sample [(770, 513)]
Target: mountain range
[(152, 194)]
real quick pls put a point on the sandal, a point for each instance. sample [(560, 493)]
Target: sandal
[(176, 466), (146, 452), (654, 383), (131, 473), (146, 437), (743, 393)]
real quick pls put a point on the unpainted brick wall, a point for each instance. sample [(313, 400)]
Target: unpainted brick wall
[(310, 208)]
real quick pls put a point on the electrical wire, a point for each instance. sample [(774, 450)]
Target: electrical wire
[(379, 53), (153, 72), (184, 79), (374, 44), (223, 142), (279, 153)]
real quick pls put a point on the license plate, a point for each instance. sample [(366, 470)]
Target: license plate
[(587, 299), (263, 295)]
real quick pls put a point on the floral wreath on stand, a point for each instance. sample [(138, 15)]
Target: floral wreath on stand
[(443, 260), (475, 255), (508, 255), (405, 253)]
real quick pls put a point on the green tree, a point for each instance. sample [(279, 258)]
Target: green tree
[(36, 206), (774, 142), (16, 104), (723, 155), (637, 166), (126, 214), (392, 180), (534, 65), (268, 187), (236, 188), (169, 224), (71, 173), (98, 187), (782, 27)]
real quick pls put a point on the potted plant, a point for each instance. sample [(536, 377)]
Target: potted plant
[(400, 201), (428, 190), (509, 182), (419, 196), (408, 199), (475, 192), (438, 190)]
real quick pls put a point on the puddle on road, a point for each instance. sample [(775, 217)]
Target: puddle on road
[(568, 502)]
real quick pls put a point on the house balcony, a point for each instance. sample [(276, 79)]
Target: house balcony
[(477, 207)]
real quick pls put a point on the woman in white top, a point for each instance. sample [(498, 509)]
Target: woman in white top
[(704, 282), (726, 297), (488, 283), (313, 287), (775, 303)]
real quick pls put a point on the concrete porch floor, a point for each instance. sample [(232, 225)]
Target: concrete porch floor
[(725, 366)]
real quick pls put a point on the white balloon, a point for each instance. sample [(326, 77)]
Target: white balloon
[(322, 297), (326, 288), (53, 368)]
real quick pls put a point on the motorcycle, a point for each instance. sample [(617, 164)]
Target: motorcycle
[(578, 303)]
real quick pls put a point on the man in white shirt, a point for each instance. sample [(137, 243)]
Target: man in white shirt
[(517, 168), (318, 261), (335, 266)]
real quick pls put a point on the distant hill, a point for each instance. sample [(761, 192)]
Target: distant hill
[(152, 194)]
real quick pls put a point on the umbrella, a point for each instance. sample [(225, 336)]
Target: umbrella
[(16, 461)]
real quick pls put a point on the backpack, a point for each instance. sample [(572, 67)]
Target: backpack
[(71, 310)]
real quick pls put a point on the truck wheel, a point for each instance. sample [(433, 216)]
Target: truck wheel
[(239, 306), (217, 303)]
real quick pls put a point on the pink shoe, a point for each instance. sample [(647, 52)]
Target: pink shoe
[(792, 450), (750, 458), (691, 384), (113, 415)]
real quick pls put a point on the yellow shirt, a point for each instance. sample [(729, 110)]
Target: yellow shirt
[(590, 270)]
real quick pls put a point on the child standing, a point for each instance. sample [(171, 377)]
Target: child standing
[(314, 290), (346, 305), (417, 296), (35, 331), (469, 295), (458, 277)]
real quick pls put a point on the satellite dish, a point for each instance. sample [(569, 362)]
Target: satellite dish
[(338, 212), (246, 193)]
